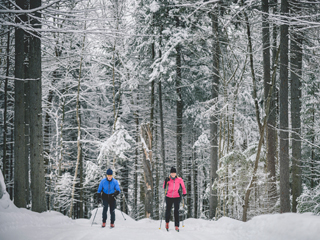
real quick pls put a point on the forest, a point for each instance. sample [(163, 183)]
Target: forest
[(226, 91)]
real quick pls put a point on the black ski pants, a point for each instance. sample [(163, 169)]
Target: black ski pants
[(176, 203), (112, 205)]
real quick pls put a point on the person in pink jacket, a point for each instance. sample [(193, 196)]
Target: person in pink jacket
[(172, 186)]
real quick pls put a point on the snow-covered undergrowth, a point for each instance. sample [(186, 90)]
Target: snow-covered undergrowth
[(17, 223)]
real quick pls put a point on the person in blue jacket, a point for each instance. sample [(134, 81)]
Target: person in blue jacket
[(109, 187)]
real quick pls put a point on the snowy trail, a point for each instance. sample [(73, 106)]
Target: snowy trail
[(16, 224)]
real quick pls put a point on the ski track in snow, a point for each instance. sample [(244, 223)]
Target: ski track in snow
[(18, 223)]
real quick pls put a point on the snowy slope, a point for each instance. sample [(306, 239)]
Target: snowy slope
[(16, 223)]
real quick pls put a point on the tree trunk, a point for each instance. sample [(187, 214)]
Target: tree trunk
[(135, 207), (78, 147), (162, 150), (35, 100), (312, 160), (46, 142), (152, 93), (296, 72), (20, 165), (195, 182), (213, 119), (10, 176), (179, 104), (146, 139), (5, 110), (125, 187), (189, 189), (79, 130), (61, 139), (81, 195), (254, 83), (27, 133), (157, 170), (142, 199), (253, 178), (272, 137), (271, 133), (284, 135)]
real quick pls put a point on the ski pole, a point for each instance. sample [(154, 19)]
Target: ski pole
[(125, 200), (165, 193), (123, 215), (162, 211), (183, 214), (94, 215)]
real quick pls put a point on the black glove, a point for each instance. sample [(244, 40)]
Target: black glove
[(166, 180), (184, 195), (115, 194), (98, 198)]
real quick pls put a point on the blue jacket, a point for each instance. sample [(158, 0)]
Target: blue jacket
[(108, 187)]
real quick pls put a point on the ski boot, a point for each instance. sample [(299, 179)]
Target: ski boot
[(167, 227)]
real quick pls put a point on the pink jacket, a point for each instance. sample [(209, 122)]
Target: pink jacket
[(173, 187)]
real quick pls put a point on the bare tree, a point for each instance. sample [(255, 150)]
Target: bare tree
[(146, 139), (296, 72), (270, 132), (284, 135), (35, 101), (178, 104), (214, 119), (20, 166)]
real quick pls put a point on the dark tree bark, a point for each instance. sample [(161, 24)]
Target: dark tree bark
[(284, 135), (10, 176), (271, 132), (179, 104), (5, 110), (214, 119), (125, 187), (135, 205), (313, 155), (152, 92), (35, 99), (195, 182), (81, 195), (189, 189), (27, 114), (27, 128), (157, 171), (296, 72), (20, 164), (162, 150), (272, 119)]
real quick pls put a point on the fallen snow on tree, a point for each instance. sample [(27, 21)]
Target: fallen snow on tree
[(117, 143)]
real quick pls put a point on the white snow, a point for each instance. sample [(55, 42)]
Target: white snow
[(18, 223), (154, 6)]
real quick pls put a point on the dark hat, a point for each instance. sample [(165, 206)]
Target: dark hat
[(173, 170), (109, 172)]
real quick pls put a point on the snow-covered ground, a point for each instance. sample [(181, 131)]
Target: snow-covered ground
[(17, 223)]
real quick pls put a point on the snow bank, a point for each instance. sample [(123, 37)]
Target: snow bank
[(284, 226), (18, 223)]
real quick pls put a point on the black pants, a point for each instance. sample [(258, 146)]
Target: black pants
[(176, 203), (112, 205)]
